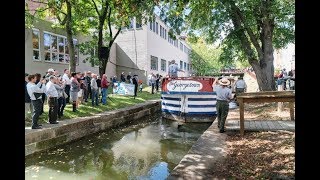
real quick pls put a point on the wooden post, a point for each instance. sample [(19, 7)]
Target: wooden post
[(241, 109), (280, 104), (291, 110)]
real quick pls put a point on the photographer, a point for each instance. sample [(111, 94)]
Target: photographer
[(34, 91)]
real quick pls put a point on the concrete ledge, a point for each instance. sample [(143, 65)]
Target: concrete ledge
[(202, 157), (52, 135)]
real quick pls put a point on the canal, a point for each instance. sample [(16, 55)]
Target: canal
[(145, 149)]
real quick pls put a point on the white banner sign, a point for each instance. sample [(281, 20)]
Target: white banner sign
[(184, 86), (123, 89)]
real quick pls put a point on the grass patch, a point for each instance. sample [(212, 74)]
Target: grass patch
[(85, 109)]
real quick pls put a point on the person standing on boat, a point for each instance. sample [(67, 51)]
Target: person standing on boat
[(173, 69), (224, 95)]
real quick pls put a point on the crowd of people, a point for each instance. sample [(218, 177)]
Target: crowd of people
[(58, 90)]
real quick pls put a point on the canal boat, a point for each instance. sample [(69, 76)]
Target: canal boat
[(188, 99)]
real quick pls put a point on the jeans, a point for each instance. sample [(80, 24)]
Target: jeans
[(37, 107), (61, 105), (27, 108), (104, 93), (94, 97), (53, 109)]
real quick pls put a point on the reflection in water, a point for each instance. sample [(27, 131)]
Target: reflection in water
[(148, 150)]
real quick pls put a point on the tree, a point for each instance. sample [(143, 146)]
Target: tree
[(105, 19), (246, 29), (62, 11), (205, 58)]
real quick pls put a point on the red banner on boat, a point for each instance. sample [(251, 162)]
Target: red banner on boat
[(183, 84)]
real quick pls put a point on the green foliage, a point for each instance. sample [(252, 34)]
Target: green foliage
[(213, 20), (205, 58)]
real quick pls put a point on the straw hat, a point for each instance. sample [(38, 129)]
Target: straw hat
[(224, 81)]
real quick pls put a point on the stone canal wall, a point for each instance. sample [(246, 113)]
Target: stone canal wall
[(50, 136), (202, 157)]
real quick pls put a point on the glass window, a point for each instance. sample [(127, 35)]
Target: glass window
[(138, 24), (181, 64), (150, 25), (185, 66), (154, 26), (36, 44), (163, 65), (56, 48), (154, 63), (165, 34), (160, 31), (188, 66), (181, 46), (185, 49), (157, 27)]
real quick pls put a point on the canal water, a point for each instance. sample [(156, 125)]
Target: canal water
[(147, 149)]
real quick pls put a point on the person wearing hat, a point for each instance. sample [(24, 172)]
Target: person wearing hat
[(173, 69), (224, 95)]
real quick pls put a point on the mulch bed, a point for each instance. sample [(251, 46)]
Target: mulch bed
[(258, 155)]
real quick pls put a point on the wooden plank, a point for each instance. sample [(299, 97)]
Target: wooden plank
[(267, 99), (241, 109), (291, 106)]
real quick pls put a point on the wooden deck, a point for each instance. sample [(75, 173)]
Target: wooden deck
[(261, 125)]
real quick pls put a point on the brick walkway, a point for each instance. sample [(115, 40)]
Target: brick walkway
[(261, 125)]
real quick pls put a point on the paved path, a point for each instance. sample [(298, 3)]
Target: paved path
[(261, 125)]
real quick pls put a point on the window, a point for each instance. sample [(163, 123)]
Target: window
[(138, 24), (181, 64), (185, 49), (36, 44), (185, 66), (130, 26), (156, 27), (160, 31), (56, 48), (176, 43), (165, 34), (154, 63), (181, 46), (150, 25), (188, 67), (163, 65)]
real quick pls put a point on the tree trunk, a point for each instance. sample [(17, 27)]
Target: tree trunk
[(72, 62), (265, 75)]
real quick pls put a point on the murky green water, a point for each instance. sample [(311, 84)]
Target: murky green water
[(149, 149)]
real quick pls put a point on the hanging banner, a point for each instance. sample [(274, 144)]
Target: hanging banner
[(123, 89)]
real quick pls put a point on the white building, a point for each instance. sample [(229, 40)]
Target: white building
[(138, 49), (150, 49)]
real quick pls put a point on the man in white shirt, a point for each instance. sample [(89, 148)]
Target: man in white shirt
[(66, 79), (52, 95), (94, 90), (173, 69), (35, 92), (240, 85)]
